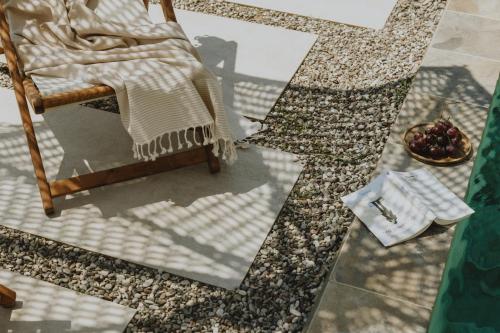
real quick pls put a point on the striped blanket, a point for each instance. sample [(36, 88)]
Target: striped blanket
[(164, 92)]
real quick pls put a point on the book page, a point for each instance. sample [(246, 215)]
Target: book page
[(389, 214), (447, 206)]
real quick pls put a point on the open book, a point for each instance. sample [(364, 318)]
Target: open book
[(397, 206)]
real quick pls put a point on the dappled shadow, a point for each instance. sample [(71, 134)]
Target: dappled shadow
[(412, 271), (172, 220), (347, 309), (425, 104), (247, 95), (46, 308)]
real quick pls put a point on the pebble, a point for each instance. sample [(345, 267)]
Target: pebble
[(219, 312), (294, 312), (147, 283), (309, 263)]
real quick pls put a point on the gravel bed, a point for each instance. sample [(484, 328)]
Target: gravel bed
[(336, 114), (109, 104), (5, 81)]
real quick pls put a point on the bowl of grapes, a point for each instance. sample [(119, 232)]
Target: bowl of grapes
[(437, 143)]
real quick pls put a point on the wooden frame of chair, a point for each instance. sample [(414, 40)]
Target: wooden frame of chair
[(7, 297), (26, 90)]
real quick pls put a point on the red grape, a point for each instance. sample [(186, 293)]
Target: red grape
[(430, 139), (413, 147), (453, 132), (456, 142), (437, 152), (451, 149), (420, 143), (442, 140), (434, 130), (434, 151), (418, 135), (441, 127), (446, 123)]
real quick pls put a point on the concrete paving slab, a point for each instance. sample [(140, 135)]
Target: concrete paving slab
[(455, 80), (468, 34), (45, 307), (458, 77), (344, 309), (487, 8), (410, 271), (365, 13), (188, 222), (255, 62)]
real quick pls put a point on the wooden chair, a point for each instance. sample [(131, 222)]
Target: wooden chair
[(26, 91), (7, 297)]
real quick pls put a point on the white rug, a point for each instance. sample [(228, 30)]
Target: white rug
[(44, 307), (187, 222), (364, 13)]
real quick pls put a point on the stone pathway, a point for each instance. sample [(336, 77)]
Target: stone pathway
[(336, 113), (186, 222), (45, 307), (364, 13), (374, 289)]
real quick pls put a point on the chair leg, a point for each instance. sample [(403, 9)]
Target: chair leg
[(212, 160), (36, 157), (7, 297), (17, 80)]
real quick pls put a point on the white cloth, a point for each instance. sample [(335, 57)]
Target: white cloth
[(163, 89)]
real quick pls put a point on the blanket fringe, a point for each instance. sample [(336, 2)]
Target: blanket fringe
[(163, 144)]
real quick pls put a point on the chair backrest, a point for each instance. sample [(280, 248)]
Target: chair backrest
[(8, 49), (18, 77)]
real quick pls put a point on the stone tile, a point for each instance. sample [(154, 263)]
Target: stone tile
[(487, 8), (365, 13), (188, 222), (459, 77), (421, 108), (412, 270), (468, 34), (344, 309), (44, 307), (252, 81)]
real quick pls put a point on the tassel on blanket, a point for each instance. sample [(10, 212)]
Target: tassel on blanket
[(152, 150)]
